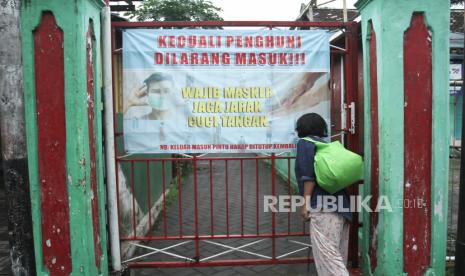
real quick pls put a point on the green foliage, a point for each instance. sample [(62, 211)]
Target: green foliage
[(177, 10), (456, 1)]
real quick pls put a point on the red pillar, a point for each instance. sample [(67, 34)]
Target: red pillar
[(418, 98), (51, 141)]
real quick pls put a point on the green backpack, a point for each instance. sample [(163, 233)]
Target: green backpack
[(335, 166)]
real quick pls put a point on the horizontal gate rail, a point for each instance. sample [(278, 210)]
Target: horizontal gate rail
[(294, 260), (270, 24), (210, 237), (208, 158)]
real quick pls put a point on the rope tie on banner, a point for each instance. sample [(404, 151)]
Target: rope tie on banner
[(340, 133)]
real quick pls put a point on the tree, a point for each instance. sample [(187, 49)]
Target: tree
[(177, 10)]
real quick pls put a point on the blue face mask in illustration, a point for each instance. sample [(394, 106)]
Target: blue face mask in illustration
[(157, 101)]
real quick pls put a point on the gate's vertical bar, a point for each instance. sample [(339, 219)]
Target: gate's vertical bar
[(211, 199), (257, 219), (289, 193), (117, 223), (179, 196), (110, 161), (227, 199), (196, 211), (242, 197), (351, 83), (133, 200), (273, 214), (148, 195), (164, 196), (113, 100), (113, 108)]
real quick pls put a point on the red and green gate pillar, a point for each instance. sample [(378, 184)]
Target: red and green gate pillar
[(406, 59), (62, 91)]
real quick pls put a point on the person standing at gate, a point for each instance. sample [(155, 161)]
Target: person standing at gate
[(329, 227)]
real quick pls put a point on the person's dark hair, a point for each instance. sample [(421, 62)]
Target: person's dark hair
[(156, 77), (311, 124)]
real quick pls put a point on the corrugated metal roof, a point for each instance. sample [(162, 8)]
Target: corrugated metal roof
[(123, 5), (327, 14)]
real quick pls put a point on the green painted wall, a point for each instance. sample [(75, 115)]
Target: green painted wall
[(390, 20), (73, 17), (282, 168)]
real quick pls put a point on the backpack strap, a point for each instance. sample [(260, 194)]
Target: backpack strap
[(313, 141)]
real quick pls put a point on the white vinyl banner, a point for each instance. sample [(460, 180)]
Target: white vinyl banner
[(194, 91)]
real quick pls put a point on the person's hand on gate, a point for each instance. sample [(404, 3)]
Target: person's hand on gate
[(136, 98), (308, 189), (304, 213)]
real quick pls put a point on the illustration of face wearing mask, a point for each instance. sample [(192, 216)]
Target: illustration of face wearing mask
[(158, 102), (158, 95)]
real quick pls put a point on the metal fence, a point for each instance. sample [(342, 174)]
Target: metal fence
[(219, 200), (453, 206)]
